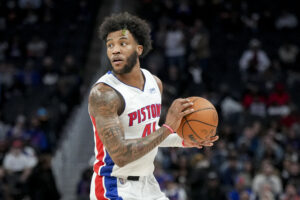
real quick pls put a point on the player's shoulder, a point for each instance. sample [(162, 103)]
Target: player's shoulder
[(102, 87), (159, 82), (102, 95)]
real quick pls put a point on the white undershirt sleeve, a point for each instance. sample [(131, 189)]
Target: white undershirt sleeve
[(173, 140)]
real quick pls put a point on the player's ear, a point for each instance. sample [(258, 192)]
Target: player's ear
[(139, 49)]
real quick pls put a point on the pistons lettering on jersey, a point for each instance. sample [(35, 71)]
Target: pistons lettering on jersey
[(145, 113)]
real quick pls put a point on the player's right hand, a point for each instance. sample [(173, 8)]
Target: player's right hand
[(178, 109)]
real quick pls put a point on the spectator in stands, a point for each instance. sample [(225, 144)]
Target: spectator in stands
[(161, 175), (240, 188), (18, 131), (29, 4), (213, 189), (229, 171), (172, 82), (279, 96), (36, 136), (291, 171), (200, 44), (258, 107), (230, 107), (251, 21), (16, 48), (246, 174), (286, 20), (254, 61), (41, 183), (278, 101), (200, 168), (290, 193), (245, 195), (174, 191), (267, 183), (292, 139), (265, 192), (50, 74), (18, 167), (293, 118), (43, 117), (269, 149), (248, 141), (160, 36), (288, 53), (16, 160), (36, 47), (48, 11), (175, 49), (220, 154), (28, 77), (7, 80), (255, 102), (31, 18), (69, 66)]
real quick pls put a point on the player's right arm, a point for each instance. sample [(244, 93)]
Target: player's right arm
[(104, 104)]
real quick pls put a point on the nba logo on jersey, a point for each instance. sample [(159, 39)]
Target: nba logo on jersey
[(152, 90)]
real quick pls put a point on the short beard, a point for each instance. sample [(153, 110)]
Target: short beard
[(131, 62)]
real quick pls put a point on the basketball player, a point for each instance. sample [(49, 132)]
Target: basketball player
[(125, 106)]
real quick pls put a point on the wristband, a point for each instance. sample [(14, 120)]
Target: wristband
[(168, 127)]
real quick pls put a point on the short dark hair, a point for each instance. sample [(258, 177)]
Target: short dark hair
[(138, 27)]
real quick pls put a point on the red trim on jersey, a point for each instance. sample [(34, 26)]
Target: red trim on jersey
[(99, 147), (99, 188)]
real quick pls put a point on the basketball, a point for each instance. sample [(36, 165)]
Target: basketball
[(201, 124)]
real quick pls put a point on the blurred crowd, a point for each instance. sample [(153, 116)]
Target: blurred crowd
[(40, 83), (244, 57)]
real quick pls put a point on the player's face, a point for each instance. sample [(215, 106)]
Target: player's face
[(122, 51)]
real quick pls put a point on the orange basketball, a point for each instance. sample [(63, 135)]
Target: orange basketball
[(201, 124)]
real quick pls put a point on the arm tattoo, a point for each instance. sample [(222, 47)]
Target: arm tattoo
[(103, 105)]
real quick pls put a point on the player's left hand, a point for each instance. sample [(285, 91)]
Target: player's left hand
[(200, 145)]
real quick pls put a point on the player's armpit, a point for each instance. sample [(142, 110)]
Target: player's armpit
[(104, 103)]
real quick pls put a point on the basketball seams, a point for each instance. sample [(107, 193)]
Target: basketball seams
[(195, 99), (201, 109), (195, 120), (194, 133), (183, 126)]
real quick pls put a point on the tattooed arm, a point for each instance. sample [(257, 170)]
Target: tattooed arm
[(104, 104)]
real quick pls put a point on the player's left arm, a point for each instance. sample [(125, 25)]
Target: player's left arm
[(173, 140)]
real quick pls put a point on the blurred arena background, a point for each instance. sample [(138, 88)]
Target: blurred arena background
[(242, 55)]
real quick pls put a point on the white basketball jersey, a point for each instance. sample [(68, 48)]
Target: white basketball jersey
[(139, 119)]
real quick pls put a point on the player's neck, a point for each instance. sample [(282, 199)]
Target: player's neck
[(134, 78)]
